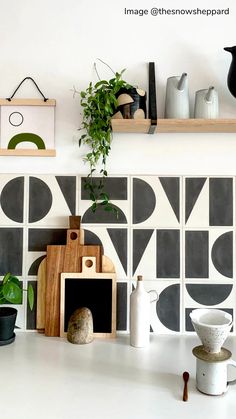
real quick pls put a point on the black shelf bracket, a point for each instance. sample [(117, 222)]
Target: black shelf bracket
[(152, 103)]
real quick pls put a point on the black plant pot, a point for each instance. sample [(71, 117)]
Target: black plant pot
[(7, 325)]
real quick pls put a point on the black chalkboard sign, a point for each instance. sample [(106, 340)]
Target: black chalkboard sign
[(96, 291), (93, 293)]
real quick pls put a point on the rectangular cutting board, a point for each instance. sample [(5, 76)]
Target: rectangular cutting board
[(91, 289)]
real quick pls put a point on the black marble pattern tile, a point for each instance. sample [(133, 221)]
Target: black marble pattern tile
[(144, 200), (168, 307), (168, 253), (193, 188), (119, 240), (100, 216), (196, 254), (39, 238), (12, 199), (115, 187), (172, 189), (161, 256), (121, 312), (222, 254), (209, 294), (67, 185), (221, 202), (40, 199), (141, 238), (11, 250)]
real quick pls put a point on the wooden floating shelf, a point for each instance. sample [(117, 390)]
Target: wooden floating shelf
[(28, 152), (174, 125)]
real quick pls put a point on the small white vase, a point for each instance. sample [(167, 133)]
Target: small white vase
[(140, 315)]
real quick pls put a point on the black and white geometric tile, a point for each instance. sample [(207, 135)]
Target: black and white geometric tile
[(176, 231)]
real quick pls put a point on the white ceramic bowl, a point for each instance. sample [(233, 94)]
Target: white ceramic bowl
[(212, 327)]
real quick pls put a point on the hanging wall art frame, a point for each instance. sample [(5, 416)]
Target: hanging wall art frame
[(27, 126)]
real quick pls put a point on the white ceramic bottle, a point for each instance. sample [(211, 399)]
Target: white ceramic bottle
[(139, 315)]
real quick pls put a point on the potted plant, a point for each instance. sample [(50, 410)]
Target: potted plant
[(100, 102), (11, 292)]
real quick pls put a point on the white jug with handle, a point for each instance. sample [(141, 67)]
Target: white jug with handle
[(212, 371), (177, 97), (206, 103), (140, 314)]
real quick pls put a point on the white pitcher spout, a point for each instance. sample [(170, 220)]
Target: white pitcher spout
[(209, 94), (182, 82)]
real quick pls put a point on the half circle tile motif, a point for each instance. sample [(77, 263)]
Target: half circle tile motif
[(222, 254), (209, 294), (168, 307), (144, 200)]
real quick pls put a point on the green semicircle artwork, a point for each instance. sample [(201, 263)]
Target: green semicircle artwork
[(26, 136)]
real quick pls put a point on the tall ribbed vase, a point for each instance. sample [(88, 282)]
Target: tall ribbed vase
[(139, 316)]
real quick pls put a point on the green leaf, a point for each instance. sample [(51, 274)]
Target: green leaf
[(12, 293), (92, 197), (108, 208), (31, 296), (6, 278), (104, 196), (94, 207), (100, 83)]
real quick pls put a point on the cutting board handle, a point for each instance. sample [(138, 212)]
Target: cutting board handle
[(73, 237), (88, 264)]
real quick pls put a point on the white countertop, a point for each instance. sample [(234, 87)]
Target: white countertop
[(50, 378)]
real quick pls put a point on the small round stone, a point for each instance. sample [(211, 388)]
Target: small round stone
[(80, 326)]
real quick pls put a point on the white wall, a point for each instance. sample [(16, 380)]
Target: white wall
[(57, 41)]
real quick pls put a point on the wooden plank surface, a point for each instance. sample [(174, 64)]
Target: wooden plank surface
[(55, 261), (27, 102), (175, 125), (34, 152), (41, 296)]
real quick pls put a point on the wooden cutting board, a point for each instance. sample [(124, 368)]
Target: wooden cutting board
[(41, 291), (89, 250), (63, 259), (55, 261), (95, 290)]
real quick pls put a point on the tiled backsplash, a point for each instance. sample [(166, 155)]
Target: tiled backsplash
[(176, 231)]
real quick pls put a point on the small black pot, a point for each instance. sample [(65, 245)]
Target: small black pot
[(7, 324)]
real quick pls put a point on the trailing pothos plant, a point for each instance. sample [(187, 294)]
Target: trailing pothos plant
[(12, 292), (99, 103)]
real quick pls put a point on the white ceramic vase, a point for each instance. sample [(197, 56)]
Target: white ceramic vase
[(140, 315)]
